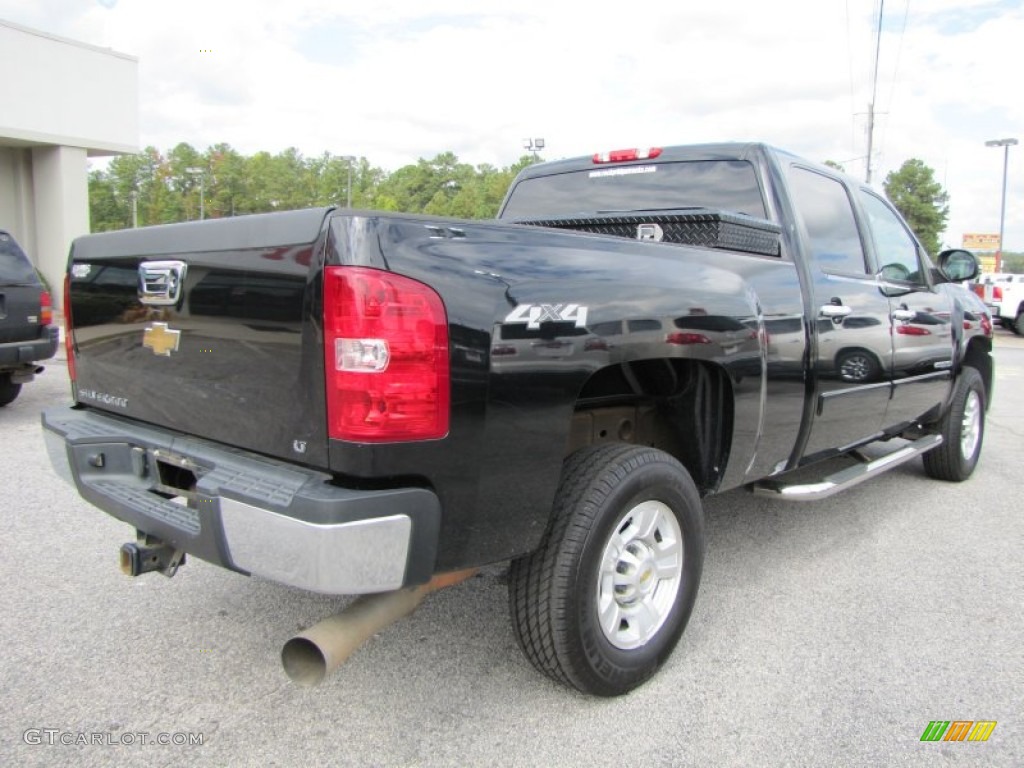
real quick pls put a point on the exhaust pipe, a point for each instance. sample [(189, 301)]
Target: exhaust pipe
[(313, 654), (26, 373)]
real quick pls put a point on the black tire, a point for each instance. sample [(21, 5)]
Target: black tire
[(857, 365), (8, 391), (1017, 326), (962, 429), (592, 556)]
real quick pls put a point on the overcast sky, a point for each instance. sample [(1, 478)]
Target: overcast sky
[(395, 80)]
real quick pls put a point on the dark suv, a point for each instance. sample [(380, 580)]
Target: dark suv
[(27, 332)]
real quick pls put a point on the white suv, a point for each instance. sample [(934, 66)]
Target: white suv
[(1003, 294)]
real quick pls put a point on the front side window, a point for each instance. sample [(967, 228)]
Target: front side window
[(827, 215), (897, 252)]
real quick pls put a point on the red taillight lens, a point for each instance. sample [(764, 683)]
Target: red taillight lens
[(997, 293), (986, 325), (45, 308), (684, 339), (386, 357), (624, 155), (69, 346), (912, 330)]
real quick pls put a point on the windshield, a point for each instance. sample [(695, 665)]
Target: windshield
[(729, 185)]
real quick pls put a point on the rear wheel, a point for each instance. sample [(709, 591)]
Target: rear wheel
[(603, 601), (8, 390), (1018, 325), (857, 365), (962, 429)]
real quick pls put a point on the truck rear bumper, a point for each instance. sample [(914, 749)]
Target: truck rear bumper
[(13, 353), (246, 512)]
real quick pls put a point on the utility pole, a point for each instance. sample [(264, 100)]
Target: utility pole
[(349, 159), (201, 173), (533, 145), (1005, 144), (874, 91)]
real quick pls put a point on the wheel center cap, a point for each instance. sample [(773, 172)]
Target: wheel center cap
[(640, 575)]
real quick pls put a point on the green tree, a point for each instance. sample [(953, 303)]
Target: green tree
[(226, 184), (1013, 262), (185, 167), (105, 213), (921, 200), (165, 189)]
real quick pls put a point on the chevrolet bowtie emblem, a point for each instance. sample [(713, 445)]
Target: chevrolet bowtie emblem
[(161, 339)]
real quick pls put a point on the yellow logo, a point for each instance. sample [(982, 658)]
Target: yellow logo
[(958, 730), (161, 339)]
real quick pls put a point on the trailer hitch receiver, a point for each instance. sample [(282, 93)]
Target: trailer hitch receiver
[(148, 553)]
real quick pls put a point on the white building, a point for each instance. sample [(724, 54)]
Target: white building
[(61, 102)]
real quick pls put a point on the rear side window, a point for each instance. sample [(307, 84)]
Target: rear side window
[(14, 264), (823, 206)]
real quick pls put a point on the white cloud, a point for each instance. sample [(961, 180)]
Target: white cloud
[(396, 80)]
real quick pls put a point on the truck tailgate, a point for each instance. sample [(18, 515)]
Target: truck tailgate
[(203, 327)]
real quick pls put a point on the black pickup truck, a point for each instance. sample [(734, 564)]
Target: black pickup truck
[(354, 401)]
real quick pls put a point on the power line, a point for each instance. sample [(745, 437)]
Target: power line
[(896, 69)]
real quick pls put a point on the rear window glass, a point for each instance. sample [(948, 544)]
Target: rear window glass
[(14, 264), (729, 185)]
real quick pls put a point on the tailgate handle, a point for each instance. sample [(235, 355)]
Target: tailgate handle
[(160, 282)]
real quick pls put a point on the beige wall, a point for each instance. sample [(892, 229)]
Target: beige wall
[(17, 211), (66, 92), (63, 102), (61, 195)]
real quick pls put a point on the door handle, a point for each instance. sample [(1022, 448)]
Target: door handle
[(903, 314), (835, 310)]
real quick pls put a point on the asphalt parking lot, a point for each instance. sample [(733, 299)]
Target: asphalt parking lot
[(829, 633)]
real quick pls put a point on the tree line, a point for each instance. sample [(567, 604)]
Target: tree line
[(184, 184)]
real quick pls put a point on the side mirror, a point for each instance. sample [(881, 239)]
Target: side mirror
[(958, 265)]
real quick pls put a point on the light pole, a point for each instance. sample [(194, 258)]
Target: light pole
[(348, 195), (202, 191), (1005, 144), (533, 145)]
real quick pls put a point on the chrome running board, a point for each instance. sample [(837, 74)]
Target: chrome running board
[(845, 478)]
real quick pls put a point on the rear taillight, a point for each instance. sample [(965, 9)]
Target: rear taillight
[(386, 357), (912, 330), (69, 346), (45, 308), (624, 155), (997, 293), (686, 339)]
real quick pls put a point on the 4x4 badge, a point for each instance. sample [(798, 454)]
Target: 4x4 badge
[(535, 314), (161, 339)]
